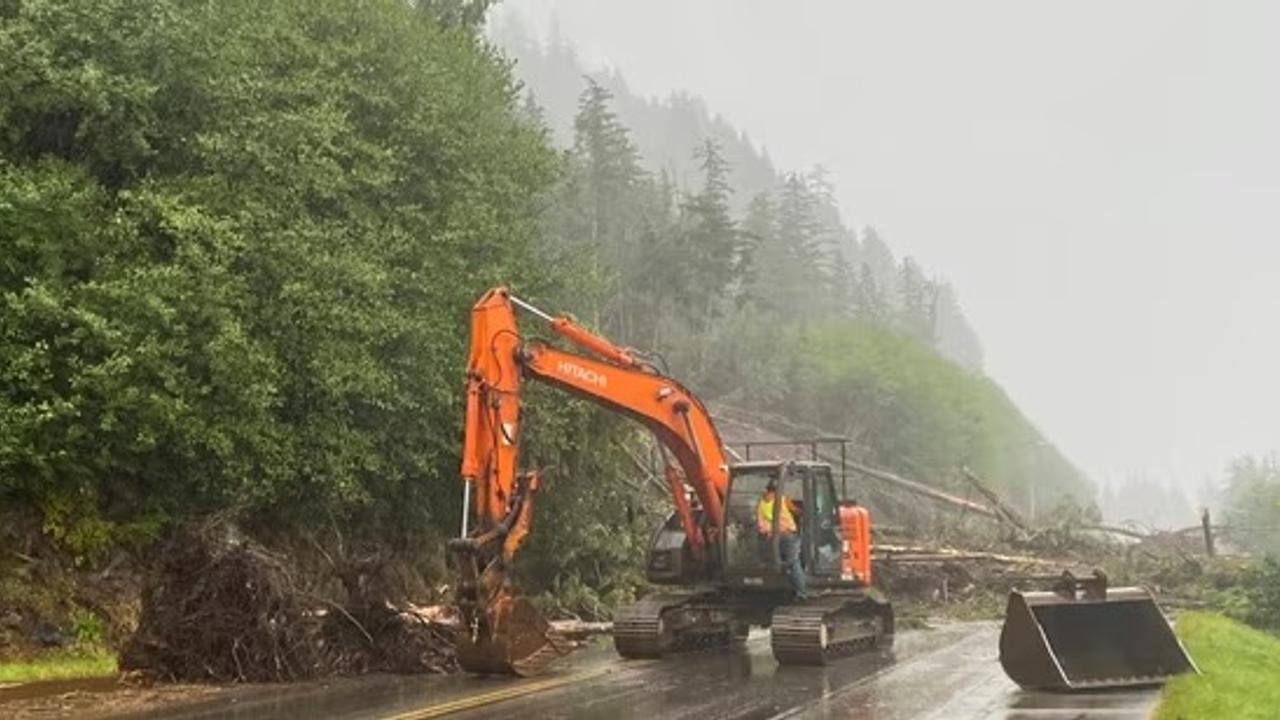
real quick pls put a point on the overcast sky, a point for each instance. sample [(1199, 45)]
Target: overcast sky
[(1100, 180)]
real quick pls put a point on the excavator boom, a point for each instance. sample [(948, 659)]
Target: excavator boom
[(502, 632)]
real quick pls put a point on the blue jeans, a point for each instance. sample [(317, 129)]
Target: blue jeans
[(789, 548)]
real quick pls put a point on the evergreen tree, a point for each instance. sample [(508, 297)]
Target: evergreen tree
[(1252, 493), (955, 338), (602, 209), (879, 258), (533, 115), (759, 251), (844, 286), (468, 14), (801, 278), (870, 304), (916, 303), (710, 238), (605, 170)]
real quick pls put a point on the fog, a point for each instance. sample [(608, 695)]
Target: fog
[(1099, 180)]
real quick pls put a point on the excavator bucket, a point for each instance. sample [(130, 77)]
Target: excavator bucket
[(513, 639), (1083, 635)]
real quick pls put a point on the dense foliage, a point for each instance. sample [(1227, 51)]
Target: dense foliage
[(240, 240), (1260, 592), (1252, 498)]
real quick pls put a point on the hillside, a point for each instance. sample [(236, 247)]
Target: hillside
[(666, 131), (837, 316)]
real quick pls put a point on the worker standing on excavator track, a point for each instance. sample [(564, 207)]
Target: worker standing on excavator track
[(788, 538)]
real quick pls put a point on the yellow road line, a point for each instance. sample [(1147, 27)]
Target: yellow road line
[(489, 698)]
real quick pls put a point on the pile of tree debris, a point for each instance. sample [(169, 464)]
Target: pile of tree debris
[(221, 608), (943, 574)]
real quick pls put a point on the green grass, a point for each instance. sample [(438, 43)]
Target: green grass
[(59, 665), (1240, 672)]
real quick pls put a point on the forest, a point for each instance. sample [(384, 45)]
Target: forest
[(240, 241)]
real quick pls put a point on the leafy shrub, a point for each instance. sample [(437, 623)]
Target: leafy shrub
[(1260, 595), (240, 240), (87, 628)]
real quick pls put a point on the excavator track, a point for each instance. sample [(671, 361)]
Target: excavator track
[(669, 622), (638, 630), (816, 631)]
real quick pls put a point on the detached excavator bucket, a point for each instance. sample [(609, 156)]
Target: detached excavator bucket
[(513, 639), (1083, 635)]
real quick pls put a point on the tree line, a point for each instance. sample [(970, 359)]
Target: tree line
[(764, 308), (662, 133)]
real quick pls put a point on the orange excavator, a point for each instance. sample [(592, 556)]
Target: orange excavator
[(725, 565)]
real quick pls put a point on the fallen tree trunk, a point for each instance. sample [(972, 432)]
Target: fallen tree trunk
[(907, 553), (738, 415), (924, 490), (579, 630), (1010, 515)]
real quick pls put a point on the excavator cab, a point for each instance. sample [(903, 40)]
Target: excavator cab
[(841, 613), (753, 559)]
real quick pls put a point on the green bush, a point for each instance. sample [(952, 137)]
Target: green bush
[(87, 628), (1258, 595), (240, 240)]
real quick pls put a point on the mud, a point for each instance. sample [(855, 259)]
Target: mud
[(94, 697)]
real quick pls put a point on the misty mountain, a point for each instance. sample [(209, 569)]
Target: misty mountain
[(664, 133)]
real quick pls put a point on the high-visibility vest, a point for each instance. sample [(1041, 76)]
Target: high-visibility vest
[(764, 515)]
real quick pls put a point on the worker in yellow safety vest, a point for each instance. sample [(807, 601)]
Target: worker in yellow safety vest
[(788, 537)]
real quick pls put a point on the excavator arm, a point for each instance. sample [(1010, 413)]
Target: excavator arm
[(502, 632)]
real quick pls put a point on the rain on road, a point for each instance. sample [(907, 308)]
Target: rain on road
[(947, 672)]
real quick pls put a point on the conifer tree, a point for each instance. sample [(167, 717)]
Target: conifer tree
[(601, 212), (801, 275), (870, 304), (710, 237), (916, 303)]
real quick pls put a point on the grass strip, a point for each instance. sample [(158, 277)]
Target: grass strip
[(58, 665), (1240, 672)]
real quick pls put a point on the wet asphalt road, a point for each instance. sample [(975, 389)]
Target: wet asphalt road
[(948, 672)]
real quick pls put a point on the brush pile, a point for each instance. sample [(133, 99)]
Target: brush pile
[(220, 608)]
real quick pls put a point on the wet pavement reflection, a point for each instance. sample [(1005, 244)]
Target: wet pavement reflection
[(947, 672)]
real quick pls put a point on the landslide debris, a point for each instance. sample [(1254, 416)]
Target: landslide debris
[(219, 607)]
